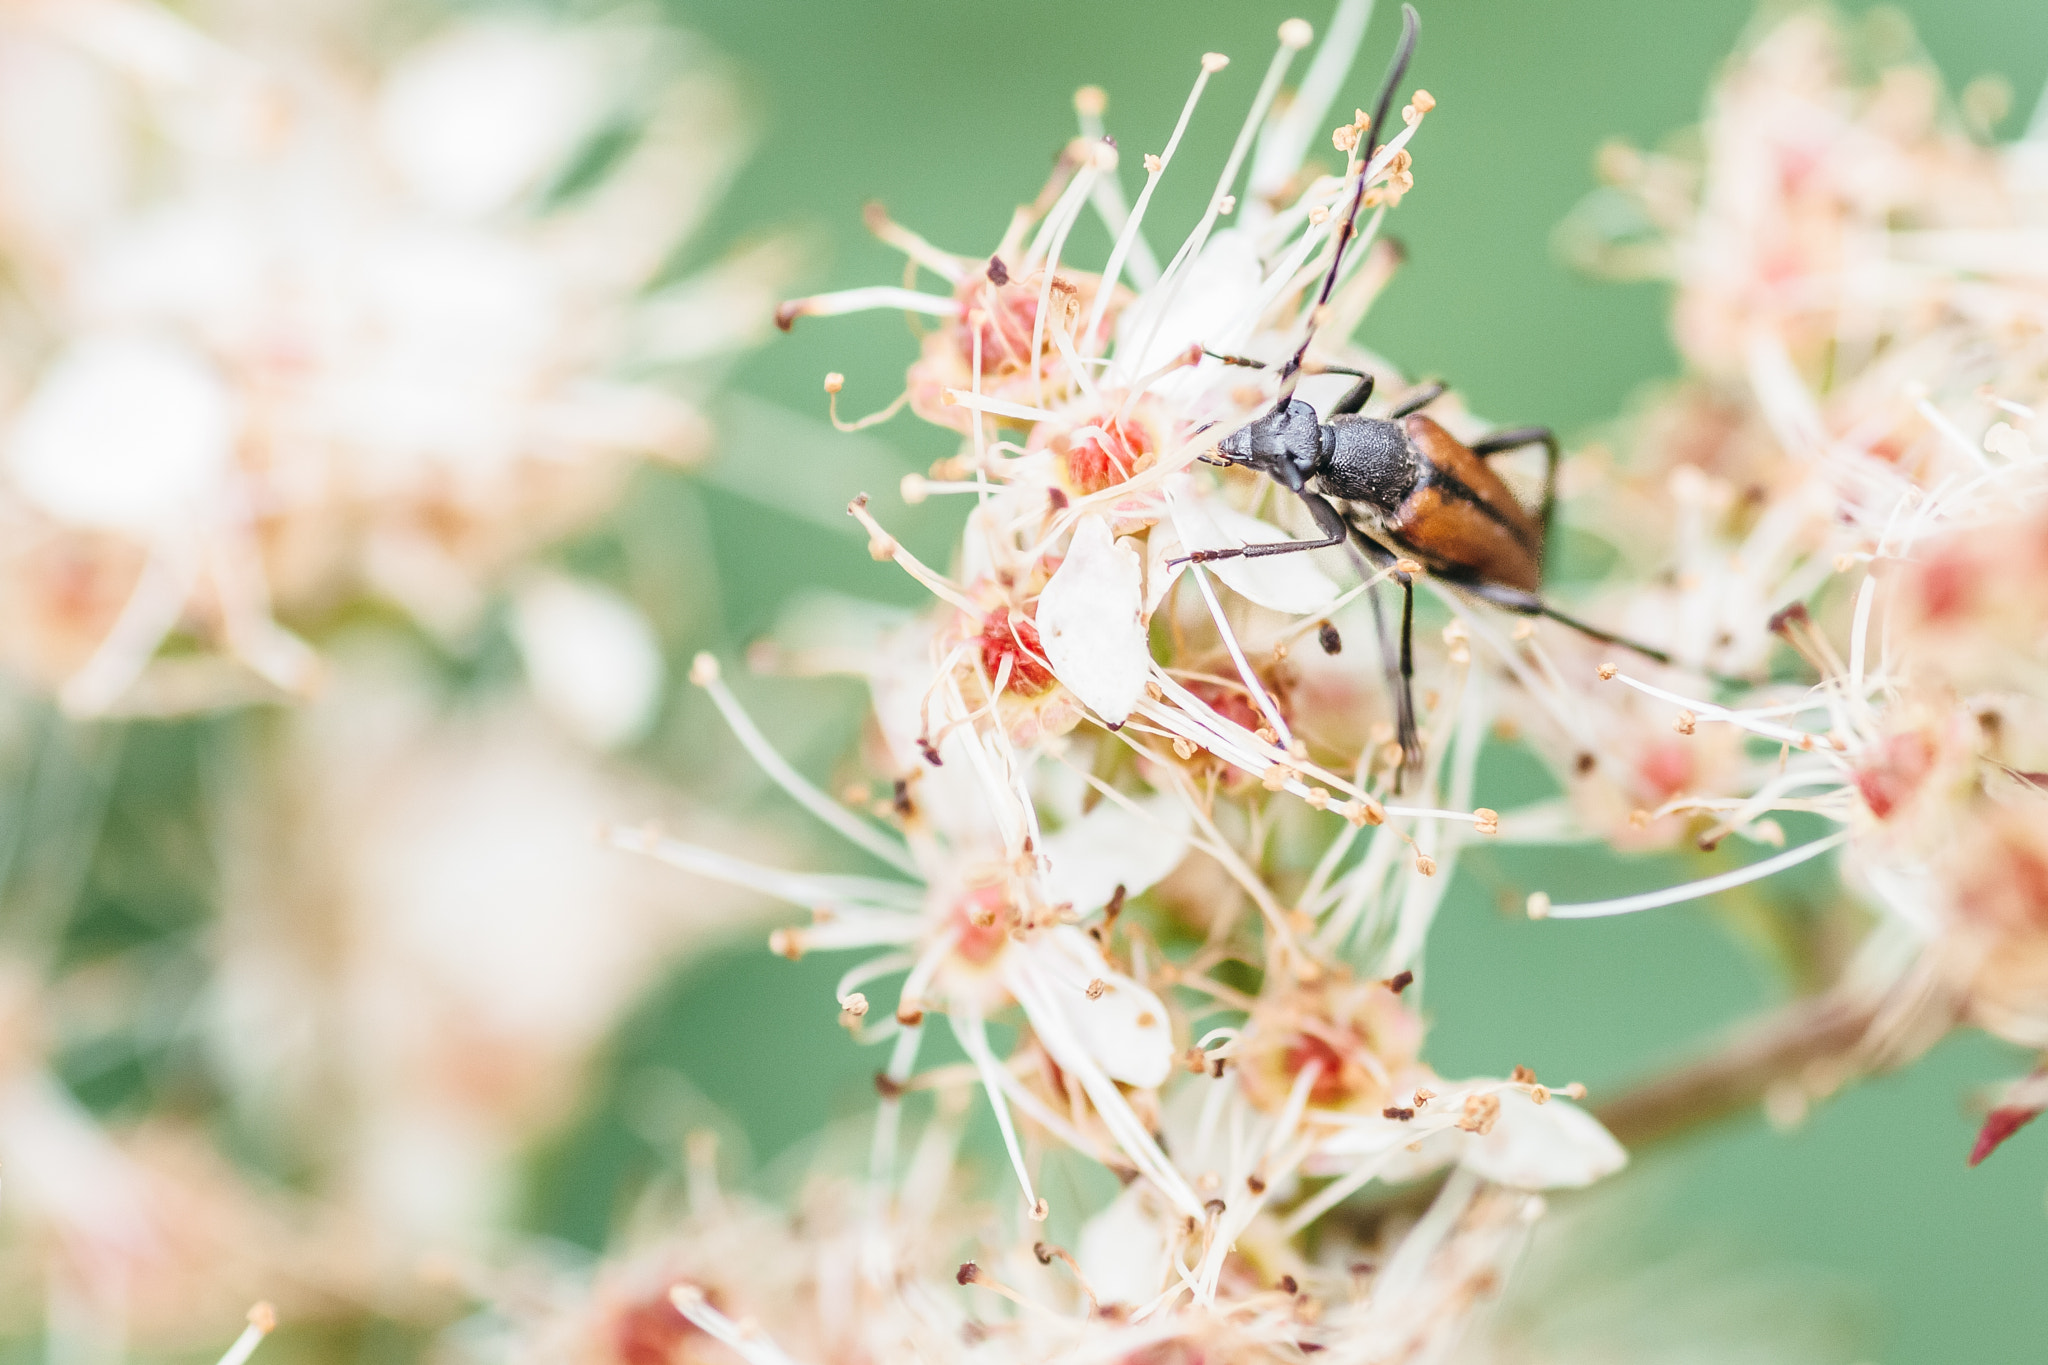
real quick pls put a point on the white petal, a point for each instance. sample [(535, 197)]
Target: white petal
[(1089, 618), (1291, 583), (1123, 1249), (124, 433), (1554, 1145), (591, 658), (1112, 846), (1124, 1029), (1212, 294)]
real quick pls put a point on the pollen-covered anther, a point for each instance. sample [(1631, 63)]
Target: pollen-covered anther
[(1226, 204), (1097, 988), (1425, 864), (1364, 812), (1411, 567), (1040, 1210), (909, 1013), (1319, 215), (1195, 1060), (1481, 1112), (1486, 820), (1540, 1094), (1319, 798), (1607, 672), (854, 1004), (787, 943), (1685, 722), (1539, 905), (1153, 165), (1184, 749), (1276, 777)]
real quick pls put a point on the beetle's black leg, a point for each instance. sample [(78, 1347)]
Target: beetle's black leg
[(1328, 519), (1399, 656), (1529, 436), (1417, 400), (1526, 603), (1354, 401)]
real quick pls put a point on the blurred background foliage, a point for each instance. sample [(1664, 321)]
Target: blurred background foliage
[(949, 113)]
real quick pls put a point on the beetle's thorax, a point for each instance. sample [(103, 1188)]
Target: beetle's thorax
[(1368, 460)]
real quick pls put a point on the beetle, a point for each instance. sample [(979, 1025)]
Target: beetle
[(1401, 486)]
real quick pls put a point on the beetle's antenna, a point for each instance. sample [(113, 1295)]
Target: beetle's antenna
[(1290, 374)]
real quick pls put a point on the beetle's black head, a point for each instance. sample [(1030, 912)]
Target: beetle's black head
[(1286, 443)]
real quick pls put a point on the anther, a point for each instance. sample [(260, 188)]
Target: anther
[(1607, 672), (1425, 864), (704, 669), (914, 489), (1328, 638), (834, 382), (1400, 981), (1685, 722), (1096, 988), (1297, 34), (1090, 101), (1213, 62), (1289, 1285), (1539, 905), (1486, 820)]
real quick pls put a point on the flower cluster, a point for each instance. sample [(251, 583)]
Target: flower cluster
[(282, 330), (1154, 808), (1849, 470)]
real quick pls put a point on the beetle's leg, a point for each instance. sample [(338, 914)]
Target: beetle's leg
[(1515, 440), (1354, 401), (1328, 519), (1399, 656), (1527, 603), (1417, 400), (1229, 359)]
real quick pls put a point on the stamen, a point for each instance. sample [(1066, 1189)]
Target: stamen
[(948, 267), (262, 1322), (1689, 891), (1285, 141), (973, 1036), (753, 1347), (882, 545), (860, 898), (1154, 168), (1178, 270), (1244, 669), (1704, 710), (889, 1112), (834, 382), (996, 407), (704, 672), (863, 299)]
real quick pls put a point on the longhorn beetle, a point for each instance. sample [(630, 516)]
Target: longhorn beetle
[(1401, 485)]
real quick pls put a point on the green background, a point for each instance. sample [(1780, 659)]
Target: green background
[(1868, 1236)]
